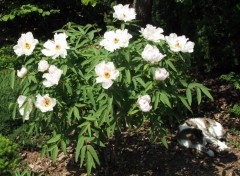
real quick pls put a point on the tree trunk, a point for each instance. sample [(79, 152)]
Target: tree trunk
[(144, 11)]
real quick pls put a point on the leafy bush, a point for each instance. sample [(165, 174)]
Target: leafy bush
[(209, 24), (26, 172), (7, 58), (9, 157), (234, 80), (85, 89), (12, 129), (235, 109), (25, 10), (7, 95)]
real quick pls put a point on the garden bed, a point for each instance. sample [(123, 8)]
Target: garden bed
[(133, 153)]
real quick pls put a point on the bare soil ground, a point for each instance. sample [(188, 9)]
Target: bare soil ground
[(135, 155)]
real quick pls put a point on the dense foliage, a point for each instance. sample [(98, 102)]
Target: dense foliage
[(83, 87), (9, 156), (213, 25), (234, 80), (87, 114)]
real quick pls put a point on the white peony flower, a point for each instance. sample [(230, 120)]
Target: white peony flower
[(124, 13), (115, 39), (25, 44), (22, 72), (179, 43), (152, 54), (106, 73), (152, 33), (144, 103), (21, 99), (161, 74), (43, 65), (52, 77), (45, 103), (56, 48)]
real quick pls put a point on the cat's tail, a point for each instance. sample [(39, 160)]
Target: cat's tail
[(202, 148), (199, 147)]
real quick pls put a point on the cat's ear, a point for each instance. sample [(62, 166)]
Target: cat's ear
[(206, 122), (198, 132), (190, 123)]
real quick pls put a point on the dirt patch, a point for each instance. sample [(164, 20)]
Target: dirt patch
[(133, 154)]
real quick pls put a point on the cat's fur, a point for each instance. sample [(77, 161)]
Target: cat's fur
[(197, 132)]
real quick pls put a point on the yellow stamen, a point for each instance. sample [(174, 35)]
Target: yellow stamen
[(115, 41), (27, 46), (107, 75), (46, 102), (178, 45), (58, 47)]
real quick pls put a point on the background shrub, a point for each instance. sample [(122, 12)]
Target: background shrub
[(9, 155), (211, 24), (234, 80), (7, 59), (7, 95)]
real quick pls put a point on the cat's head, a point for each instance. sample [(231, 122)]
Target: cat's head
[(218, 130)]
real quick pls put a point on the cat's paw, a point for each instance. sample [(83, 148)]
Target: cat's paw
[(210, 153), (222, 146)]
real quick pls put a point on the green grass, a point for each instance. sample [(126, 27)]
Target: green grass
[(7, 96), (14, 130), (235, 142)]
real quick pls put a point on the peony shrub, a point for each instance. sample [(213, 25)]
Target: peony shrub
[(83, 86)]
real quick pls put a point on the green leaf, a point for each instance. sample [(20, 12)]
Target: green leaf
[(89, 130), (192, 85), (164, 98), (199, 95), (64, 146), (127, 55), (55, 153), (184, 83), (185, 103), (170, 64), (83, 124), (164, 141), (156, 100), (13, 77), (93, 153), (206, 92), (189, 96), (54, 139), (110, 102), (141, 81), (132, 111), (14, 111), (64, 69), (128, 76), (90, 163), (43, 151), (90, 96), (90, 118), (97, 141), (79, 147), (69, 88), (85, 2), (32, 78), (83, 153), (84, 129), (69, 113), (76, 112)]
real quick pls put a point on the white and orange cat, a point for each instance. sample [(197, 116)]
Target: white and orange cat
[(197, 132)]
